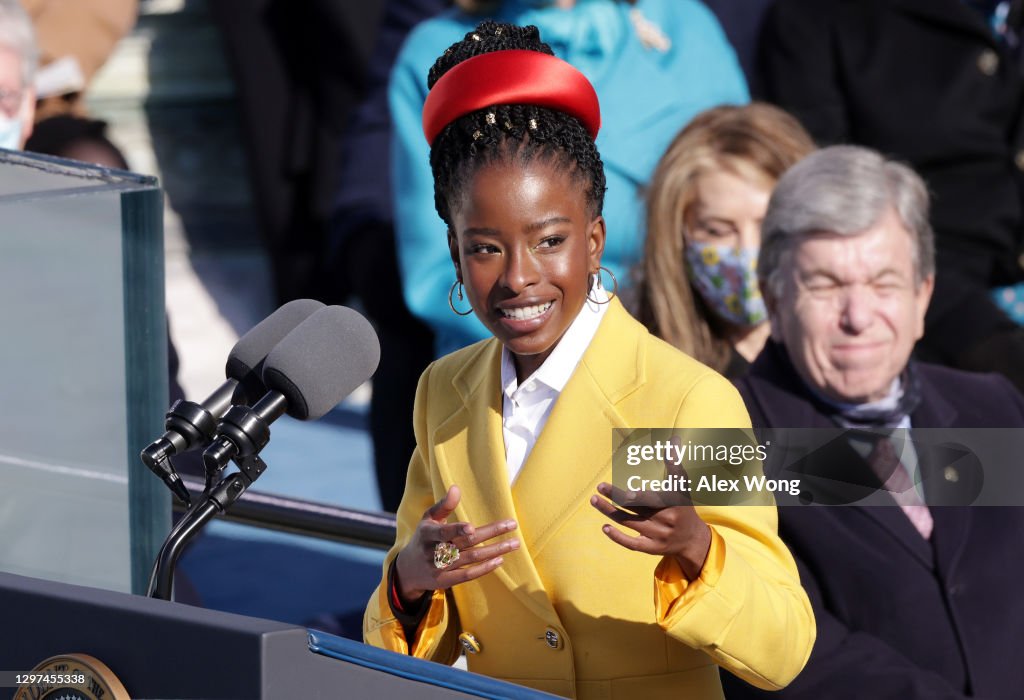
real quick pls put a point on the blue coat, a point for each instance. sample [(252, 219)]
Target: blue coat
[(646, 97), (899, 616)]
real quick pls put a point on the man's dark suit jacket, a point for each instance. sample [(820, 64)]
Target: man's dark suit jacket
[(924, 81), (898, 616)]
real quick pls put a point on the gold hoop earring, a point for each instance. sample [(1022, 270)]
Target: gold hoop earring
[(615, 285), (451, 302)]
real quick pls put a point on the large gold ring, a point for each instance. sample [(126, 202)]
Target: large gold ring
[(445, 554)]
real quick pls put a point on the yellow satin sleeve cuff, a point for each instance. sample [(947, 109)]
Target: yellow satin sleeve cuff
[(431, 628), (388, 633), (673, 594)]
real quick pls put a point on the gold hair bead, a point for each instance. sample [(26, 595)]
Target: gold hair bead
[(497, 31), (477, 135), (508, 125), (490, 118), (533, 124), (476, 37)]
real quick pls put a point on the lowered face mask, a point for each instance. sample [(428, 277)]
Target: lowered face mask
[(10, 132), (727, 281)]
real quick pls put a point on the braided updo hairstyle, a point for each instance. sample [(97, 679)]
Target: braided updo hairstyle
[(506, 133)]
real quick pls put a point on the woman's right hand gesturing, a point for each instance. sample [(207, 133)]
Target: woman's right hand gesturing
[(415, 568)]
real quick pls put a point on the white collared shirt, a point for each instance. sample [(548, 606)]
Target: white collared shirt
[(525, 409)]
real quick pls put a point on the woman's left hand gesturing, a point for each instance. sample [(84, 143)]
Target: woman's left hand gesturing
[(666, 530)]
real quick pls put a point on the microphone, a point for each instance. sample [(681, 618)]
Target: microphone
[(309, 372), (190, 425)]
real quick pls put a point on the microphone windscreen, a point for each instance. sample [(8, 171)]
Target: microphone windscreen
[(245, 362), (322, 361)]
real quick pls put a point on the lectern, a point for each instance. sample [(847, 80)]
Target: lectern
[(158, 649)]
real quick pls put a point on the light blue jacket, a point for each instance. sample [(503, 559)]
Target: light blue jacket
[(646, 97)]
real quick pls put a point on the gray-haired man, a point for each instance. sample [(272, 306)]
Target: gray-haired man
[(18, 58), (914, 600)]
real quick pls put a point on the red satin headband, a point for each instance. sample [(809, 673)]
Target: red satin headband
[(510, 77)]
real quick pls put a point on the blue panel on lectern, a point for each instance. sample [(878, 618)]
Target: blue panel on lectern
[(418, 669)]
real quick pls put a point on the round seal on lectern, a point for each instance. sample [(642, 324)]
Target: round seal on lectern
[(70, 677)]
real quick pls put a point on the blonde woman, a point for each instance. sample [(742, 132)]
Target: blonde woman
[(697, 286)]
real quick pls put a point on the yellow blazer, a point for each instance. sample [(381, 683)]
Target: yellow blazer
[(571, 612)]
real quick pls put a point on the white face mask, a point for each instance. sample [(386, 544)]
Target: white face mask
[(10, 132)]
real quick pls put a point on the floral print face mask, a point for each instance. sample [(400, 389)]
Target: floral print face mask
[(726, 279)]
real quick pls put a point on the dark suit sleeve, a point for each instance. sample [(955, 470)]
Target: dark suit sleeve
[(1012, 401), (1016, 397), (796, 67), (849, 665), (364, 193)]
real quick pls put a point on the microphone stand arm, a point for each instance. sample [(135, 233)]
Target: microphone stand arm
[(215, 501)]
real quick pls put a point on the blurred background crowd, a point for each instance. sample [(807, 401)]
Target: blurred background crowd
[(287, 138)]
